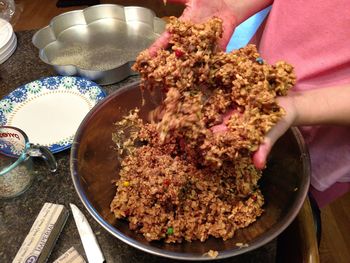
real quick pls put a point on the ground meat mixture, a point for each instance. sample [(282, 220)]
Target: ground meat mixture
[(179, 180), (203, 84)]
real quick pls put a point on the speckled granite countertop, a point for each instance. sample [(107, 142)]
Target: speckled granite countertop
[(17, 215)]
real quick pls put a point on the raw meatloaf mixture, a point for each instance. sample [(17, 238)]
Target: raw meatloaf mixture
[(179, 180)]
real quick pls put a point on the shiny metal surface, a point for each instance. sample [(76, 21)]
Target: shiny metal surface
[(94, 165), (100, 42), (92, 249)]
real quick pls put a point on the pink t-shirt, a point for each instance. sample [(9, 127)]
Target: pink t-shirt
[(314, 36)]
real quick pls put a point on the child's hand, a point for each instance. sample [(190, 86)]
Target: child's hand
[(198, 11), (260, 156)]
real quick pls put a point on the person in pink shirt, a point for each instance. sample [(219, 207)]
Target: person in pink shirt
[(313, 36)]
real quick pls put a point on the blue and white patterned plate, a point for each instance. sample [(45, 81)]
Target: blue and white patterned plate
[(50, 110)]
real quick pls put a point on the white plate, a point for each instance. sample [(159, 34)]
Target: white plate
[(6, 32), (11, 49), (8, 45), (51, 109)]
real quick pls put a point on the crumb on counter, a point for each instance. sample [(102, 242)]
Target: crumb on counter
[(212, 253), (241, 245)]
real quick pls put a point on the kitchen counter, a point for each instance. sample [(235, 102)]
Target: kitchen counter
[(18, 214)]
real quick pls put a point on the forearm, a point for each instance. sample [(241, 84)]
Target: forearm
[(246, 8), (326, 106)]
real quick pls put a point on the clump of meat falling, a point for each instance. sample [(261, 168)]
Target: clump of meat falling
[(202, 84)]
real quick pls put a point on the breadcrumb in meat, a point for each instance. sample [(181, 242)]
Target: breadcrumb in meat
[(179, 180)]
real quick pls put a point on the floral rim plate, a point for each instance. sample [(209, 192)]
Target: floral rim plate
[(50, 110)]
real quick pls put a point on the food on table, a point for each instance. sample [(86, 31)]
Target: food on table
[(212, 253), (180, 180)]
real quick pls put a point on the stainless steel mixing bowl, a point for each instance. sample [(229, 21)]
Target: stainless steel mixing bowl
[(94, 165)]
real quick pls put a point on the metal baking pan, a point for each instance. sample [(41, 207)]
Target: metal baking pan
[(100, 42)]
